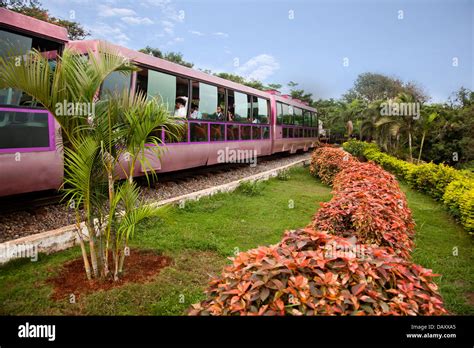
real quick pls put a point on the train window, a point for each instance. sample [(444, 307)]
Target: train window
[(204, 102), (230, 106), (167, 88), (298, 116), (217, 132), (23, 130), (198, 131), (287, 114), (115, 83), (260, 114), (307, 118), (266, 132), (245, 132), (292, 133), (285, 132), (180, 135), (279, 113), (163, 86), (219, 113), (158, 132), (301, 133), (241, 107), (12, 44), (232, 132), (256, 133), (314, 118), (254, 108)]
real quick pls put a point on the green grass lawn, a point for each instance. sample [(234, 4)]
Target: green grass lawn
[(200, 237), (438, 239)]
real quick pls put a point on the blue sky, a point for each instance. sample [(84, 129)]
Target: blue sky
[(306, 41)]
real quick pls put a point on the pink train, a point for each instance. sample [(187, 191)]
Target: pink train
[(220, 116)]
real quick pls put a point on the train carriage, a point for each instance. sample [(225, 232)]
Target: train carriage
[(29, 135), (223, 121)]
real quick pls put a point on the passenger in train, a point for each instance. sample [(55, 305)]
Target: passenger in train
[(230, 114), (195, 113), (180, 107), (219, 114)]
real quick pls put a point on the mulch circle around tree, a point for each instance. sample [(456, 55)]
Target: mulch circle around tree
[(140, 266)]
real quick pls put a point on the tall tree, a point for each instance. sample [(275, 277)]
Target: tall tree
[(34, 8)]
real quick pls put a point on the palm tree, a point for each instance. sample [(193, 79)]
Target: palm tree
[(425, 123), (96, 144), (396, 126)]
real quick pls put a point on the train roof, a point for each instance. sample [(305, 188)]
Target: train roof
[(147, 60), (32, 26)]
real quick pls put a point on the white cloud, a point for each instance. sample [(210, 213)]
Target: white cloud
[(167, 9), (174, 41), (107, 11), (106, 32), (220, 34), (137, 20), (195, 32), (259, 67)]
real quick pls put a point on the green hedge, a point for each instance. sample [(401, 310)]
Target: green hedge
[(453, 187)]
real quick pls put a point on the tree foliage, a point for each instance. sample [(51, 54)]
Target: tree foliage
[(175, 57), (34, 8)]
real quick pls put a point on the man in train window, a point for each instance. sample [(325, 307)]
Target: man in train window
[(219, 115), (180, 107), (195, 113)]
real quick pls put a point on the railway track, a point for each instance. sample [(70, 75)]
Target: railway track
[(30, 202)]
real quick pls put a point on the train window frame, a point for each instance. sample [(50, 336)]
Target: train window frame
[(200, 86), (298, 116), (49, 48), (279, 113), (51, 131)]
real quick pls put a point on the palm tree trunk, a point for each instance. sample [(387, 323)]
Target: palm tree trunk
[(87, 266), (93, 252), (410, 146), (421, 146)]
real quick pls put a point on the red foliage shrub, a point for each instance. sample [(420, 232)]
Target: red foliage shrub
[(326, 162), (369, 205), (315, 273)]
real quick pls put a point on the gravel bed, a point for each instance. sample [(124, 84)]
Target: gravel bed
[(27, 222)]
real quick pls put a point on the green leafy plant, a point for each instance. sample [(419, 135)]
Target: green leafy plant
[(250, 188), (308, 273), (99, 148), (284, 175), (441, 181)]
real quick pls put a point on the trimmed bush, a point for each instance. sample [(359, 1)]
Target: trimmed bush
[(326, 162), (466, 207), (357, 148), (315, 273), (454, 187), (431, 178), (369, 205)]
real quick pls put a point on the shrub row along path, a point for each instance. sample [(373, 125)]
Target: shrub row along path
[(200, 237), (316, 271)]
